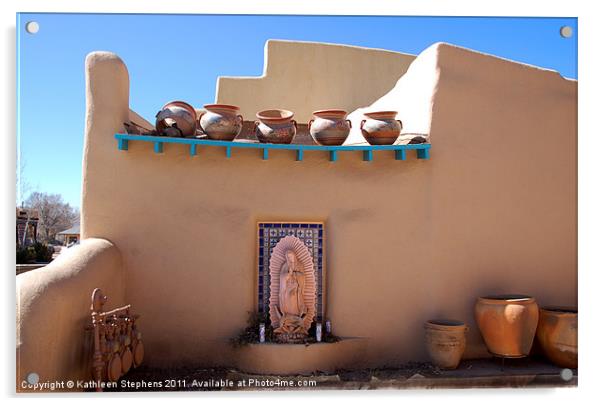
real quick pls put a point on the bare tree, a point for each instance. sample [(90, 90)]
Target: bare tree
[(23, 186), (55, 215)]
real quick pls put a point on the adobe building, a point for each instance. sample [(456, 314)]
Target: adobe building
[(70, 235), (493, 210), (27, 226)]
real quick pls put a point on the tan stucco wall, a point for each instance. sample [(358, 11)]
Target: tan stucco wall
[(306, 76), (492, 211), (53, 310)]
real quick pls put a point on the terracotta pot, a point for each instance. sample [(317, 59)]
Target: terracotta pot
[(445, 342), (275, 126), (557, 335), (176, 119), (221, 121), (507, 324), (381, 127), (329, 127)]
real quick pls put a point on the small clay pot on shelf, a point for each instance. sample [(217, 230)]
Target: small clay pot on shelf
[(275, 126), (221, 121), (381, 127), (176, 119), (329, 127)]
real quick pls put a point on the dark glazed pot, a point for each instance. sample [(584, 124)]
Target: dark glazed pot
[(381, 127), (275, 126), (507, 324), (221, 121), (329, 127), (557, 335), (176, 119)]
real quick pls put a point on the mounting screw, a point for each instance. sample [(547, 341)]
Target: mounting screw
[(32, 27), (566, 31), (566, 374)]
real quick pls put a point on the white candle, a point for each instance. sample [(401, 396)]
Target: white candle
[(262, 332), (318, 332)]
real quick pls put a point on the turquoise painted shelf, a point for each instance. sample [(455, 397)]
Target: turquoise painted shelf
[(399, 151)]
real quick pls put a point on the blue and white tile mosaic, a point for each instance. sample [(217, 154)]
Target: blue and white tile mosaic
[(269, 234)]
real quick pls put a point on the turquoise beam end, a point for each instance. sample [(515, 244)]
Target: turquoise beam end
[(400, 154), (122, 144)]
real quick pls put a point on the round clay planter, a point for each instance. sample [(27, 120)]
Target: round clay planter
[(275, 126), (557, 335), (221, 121), (381, 127), (176, 119), (445, 342), (329, 127), (507, 324)]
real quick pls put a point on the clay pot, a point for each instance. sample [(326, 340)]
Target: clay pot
[(275, 126), (557, 335), (507, 324), (381, 127), (176, 119), (221, 121), (445, 342), (329, 127)]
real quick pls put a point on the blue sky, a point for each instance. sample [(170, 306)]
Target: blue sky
[(191, 51)]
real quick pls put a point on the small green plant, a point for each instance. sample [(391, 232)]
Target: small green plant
[(250, 334), (24, 255), (37, 252), (42, 252)]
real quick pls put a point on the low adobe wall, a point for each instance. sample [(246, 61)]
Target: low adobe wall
[(53, 310), (492, 211), (295, 359), (22, 268)]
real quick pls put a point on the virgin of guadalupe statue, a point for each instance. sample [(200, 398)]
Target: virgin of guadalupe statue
[(292, 298)]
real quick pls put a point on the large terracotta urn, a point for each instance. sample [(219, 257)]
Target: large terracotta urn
[(445, 342), (557, 335), (507, 324), (381, 127), (329, 127), (275, 126), (221, 121), (176, 119)]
